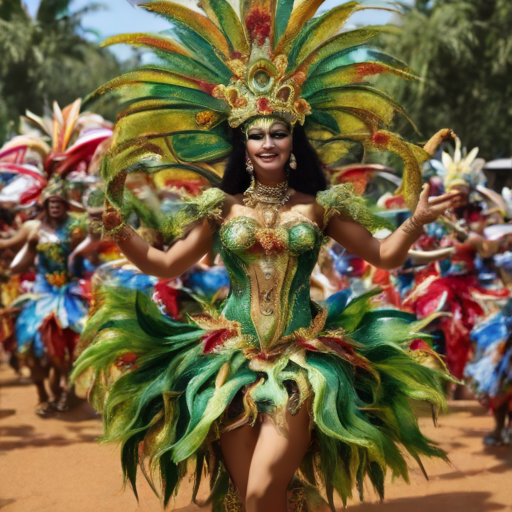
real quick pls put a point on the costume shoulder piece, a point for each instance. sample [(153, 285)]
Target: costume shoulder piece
[(343, 200), (176, 220), (191, 212)]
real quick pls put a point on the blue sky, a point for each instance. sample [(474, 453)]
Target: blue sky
[(120, 17)]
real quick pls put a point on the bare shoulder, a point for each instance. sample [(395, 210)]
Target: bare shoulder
[(307, 205), (231, 202)]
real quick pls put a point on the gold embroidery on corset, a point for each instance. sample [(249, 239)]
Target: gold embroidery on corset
[(270, 310), (273, 270), (266, 307)]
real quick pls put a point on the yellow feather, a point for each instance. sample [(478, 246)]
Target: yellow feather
[(330, 24), (300, 15), (142, 77), (154, 124), (58, 121), (71, 119), (197, 22), (152, 41), (224, 17), (411, 179)]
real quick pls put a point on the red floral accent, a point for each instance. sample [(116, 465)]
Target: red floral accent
[(205, 86), (359, 178), (368, 69), (302, 106), (304, 344), (258, 24), (381, 277), (345, 350), (380, 139), (127, 361), (264, 106), (168, 297), (236, 55), (216, 339), (270, 241), (419, 345), (395, 202), (427, 243)]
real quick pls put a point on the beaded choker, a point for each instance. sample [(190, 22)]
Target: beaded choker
[(259, 193)]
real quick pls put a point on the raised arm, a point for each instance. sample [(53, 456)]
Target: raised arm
[(393, 251), (179, 258), (201, 213), (21, 236)]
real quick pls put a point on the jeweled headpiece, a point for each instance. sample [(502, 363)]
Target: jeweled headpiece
[(461, 168), (225, 62)]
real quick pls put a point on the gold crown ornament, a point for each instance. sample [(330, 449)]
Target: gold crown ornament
[(262, 88), (224, 62)]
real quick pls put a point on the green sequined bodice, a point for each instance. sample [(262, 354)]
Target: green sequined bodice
[(270, 270)]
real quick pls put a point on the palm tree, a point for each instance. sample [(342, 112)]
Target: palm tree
[(462, 52), (47, 57)]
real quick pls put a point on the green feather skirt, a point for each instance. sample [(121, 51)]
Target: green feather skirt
[(168, 389)]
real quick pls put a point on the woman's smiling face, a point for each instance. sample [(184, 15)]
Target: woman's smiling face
[(269, 145)]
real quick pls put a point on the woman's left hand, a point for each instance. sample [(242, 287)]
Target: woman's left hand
[(429, 209)]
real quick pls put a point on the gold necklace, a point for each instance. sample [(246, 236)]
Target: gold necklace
[(259, 193)]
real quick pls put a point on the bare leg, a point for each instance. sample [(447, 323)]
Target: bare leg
[(55, 386), (42, 395), (274, 463), (38, 373), (495, 438), (237, 449)]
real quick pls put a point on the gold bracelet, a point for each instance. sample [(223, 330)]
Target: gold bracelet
[(119, 233)]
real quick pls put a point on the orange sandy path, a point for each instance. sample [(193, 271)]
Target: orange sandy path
[(55, 465)]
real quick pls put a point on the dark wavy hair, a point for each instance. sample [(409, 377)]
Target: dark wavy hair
[(308, 178)]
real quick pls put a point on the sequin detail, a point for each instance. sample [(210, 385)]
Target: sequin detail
[(241, 234)]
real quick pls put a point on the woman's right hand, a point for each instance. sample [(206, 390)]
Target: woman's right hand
[(111, 219)]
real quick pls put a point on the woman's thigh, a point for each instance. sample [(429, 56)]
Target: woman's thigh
[(277, 454), (237, 450)]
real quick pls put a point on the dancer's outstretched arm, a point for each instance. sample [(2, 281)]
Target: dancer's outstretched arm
[(21, 236), (178, 259), (391, 252)]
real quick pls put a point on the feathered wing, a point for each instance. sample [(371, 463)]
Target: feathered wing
[(173, 103)]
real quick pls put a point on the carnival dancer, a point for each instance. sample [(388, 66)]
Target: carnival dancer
[(48, 327), (490, 372), (245, 390), (452, 285), (54, 311)]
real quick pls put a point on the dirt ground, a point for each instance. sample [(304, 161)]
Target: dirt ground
[(55, 465)]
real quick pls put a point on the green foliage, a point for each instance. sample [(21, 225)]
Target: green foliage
[(462, 51), (47, 58)]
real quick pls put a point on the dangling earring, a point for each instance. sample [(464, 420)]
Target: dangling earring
[(293, 162), (248, 166)]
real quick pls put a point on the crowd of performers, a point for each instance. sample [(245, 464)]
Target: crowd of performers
[(56, 265), (282, 366)]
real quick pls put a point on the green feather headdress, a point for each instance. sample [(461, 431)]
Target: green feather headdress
[(231, 60)]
